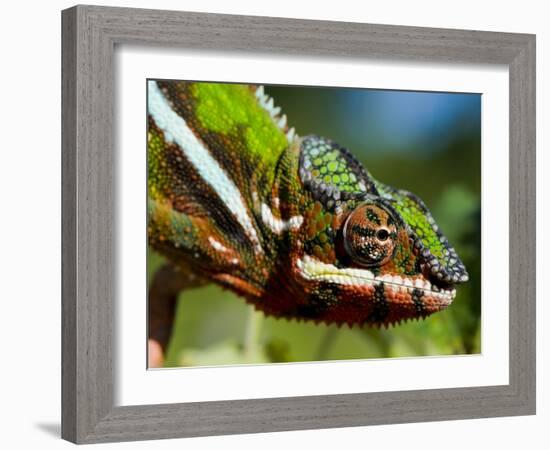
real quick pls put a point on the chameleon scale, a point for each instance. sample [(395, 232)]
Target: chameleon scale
[(295, 225)]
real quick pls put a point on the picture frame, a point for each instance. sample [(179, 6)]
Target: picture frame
[(89, 37)]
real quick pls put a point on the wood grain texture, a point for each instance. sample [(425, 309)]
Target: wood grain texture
[(89, 205), (68, 225), (523, 225)]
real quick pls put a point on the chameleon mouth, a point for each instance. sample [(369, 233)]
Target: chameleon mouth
[(312, 269)]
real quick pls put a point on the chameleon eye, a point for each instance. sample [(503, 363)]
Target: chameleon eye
[(370, 234), (382, 234)]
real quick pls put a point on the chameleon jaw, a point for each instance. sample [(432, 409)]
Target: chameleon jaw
[(312, 269)]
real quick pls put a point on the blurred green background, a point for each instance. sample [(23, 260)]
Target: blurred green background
[(425, 142)]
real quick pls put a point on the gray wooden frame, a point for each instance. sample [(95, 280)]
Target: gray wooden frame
[(90, 34)]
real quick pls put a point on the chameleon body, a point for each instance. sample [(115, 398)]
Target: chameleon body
[(295, 225)]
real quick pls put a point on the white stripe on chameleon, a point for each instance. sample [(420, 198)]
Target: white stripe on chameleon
[(312, 269), (217, 245), (278, 225), (175, 129)]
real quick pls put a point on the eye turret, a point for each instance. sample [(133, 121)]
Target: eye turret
[(370, 235)]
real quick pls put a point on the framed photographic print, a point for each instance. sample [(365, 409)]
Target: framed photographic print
[(332, 244), (305, 219)]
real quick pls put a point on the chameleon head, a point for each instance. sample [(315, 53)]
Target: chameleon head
[(390, 261)]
